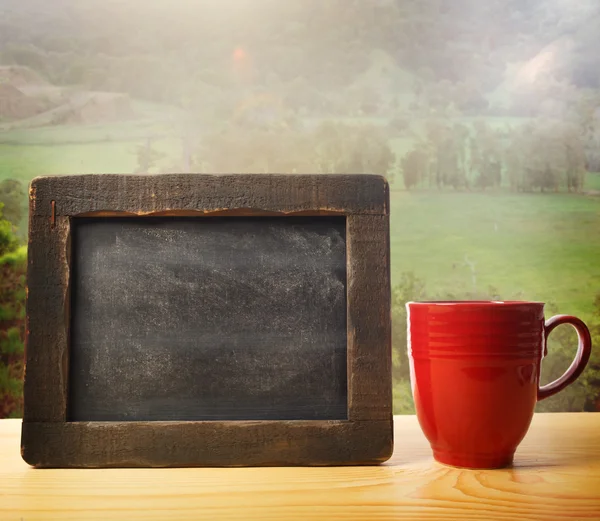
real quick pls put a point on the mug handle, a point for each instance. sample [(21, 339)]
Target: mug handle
[(584, 350)]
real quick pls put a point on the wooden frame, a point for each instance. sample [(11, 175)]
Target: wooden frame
[(49, 440)]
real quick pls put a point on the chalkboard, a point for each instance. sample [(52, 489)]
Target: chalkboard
[(208, 318)]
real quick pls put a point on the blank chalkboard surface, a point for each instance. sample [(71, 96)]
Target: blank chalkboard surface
[(208, 318)]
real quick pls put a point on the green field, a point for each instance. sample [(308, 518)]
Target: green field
[(25, 162), (527, 246), (99, 148)]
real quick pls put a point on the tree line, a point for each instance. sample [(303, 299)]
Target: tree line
[(538, 155), (12, 303), (281, 147)]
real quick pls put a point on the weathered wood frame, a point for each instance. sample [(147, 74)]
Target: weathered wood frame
[(366, 437)]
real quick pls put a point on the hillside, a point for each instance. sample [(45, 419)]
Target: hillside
[(319, 57)]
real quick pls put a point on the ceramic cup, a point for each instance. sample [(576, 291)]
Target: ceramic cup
[(475, 371)]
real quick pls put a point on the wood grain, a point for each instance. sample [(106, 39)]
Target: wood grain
[(206, 443), (369, 324), (47, 323), (556, 476), (206, 193)]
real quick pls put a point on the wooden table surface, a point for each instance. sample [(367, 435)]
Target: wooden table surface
[(556, 475)]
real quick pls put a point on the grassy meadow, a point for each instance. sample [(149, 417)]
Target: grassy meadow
[(98, 148), (526, 246)]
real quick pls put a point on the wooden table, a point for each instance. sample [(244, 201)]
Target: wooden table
[(556, 476)]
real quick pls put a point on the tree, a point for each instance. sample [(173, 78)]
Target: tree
[(546, 156), (446, 150), (12, 196), (436, 138), (485, 156), (551, 156), (8, 240), (593, 370), (574, 159), (457, 158), (147, 157), (409, 288), (352, 149), (584, 393), (515, 157), (587, 117), (413, 167), (330, 148), (12, 320)]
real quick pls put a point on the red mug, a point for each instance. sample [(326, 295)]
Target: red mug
[(475, 371)]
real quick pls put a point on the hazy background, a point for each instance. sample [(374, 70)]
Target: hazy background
[(484, 116)]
